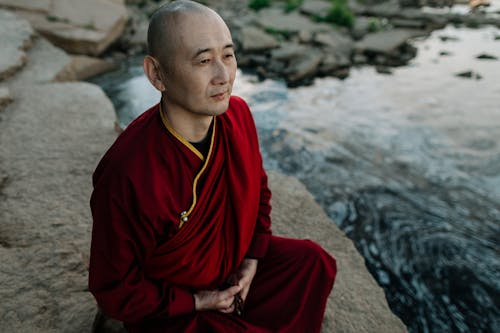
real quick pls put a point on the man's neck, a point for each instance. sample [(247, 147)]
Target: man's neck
[(190, 126)]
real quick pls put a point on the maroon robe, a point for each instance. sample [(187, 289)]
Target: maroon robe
[(169, 222)]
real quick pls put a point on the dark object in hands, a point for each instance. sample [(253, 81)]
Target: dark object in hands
[(238, 301)]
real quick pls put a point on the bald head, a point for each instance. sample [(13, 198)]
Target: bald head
[(165, 24)]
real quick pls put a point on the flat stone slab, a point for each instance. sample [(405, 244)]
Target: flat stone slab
[(316, 8), (83, 27), (15, 38), (82, 67), (52, 137), (276, 20), (387, 41), (254, 39), (45, 61), (38, 5)]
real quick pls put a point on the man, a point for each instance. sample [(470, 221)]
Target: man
[(181, 240)]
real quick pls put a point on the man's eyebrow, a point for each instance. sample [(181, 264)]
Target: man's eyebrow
[(208, 49)]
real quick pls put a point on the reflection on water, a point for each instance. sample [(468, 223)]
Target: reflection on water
[(408, 165)]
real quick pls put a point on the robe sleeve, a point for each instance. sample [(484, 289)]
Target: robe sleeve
[(262, 234), (120, 242)]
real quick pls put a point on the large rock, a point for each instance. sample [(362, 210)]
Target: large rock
[(274, 19), (52, 136), (387, 42), (86, 27), (44, 63), (82, 67), (15, 38), (303, 67), (254, 39)]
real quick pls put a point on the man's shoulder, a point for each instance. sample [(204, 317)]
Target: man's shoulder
[(130, 145)]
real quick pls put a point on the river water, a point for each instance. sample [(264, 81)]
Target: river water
[(408, 165)]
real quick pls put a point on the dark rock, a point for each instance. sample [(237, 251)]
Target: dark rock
[(289, 51), (485, 56), (359, 59), (304, 67), (383, 70), (469, 75), (449, 38), (445, 53), (387, 41), (408, 23)]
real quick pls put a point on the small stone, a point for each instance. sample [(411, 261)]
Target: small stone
[(383, 70), (485, 56), (445, 53), (469, 75), (449, 38)]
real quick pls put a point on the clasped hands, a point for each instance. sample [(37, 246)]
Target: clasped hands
[(225, 300)]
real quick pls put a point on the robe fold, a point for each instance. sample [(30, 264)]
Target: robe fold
[(168, 222)]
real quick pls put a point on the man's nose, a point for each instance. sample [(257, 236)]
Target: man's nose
[(221, 73)]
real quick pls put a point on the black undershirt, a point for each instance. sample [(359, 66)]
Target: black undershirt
[(203, 146)]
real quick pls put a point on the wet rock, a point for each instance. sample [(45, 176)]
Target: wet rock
[(486, 56), (15, 37), (359, 59), (445, 53), (254, 39), (303, 67), (469, 75), (408, 23), (445, 38), (390, 44), (386, 42), (383, 70), (83, 67), (86, 27)]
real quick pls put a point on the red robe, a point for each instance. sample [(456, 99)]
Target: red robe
[(168, 222)]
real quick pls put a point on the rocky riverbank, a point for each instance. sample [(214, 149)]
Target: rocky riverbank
[(298, 45), (52, 132)]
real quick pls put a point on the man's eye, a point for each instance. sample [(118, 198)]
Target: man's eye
[(204, 61), (229, 55)]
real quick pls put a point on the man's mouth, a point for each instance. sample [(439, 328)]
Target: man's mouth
[(219, 96)]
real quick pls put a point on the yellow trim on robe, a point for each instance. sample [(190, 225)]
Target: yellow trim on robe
[(185, 215), (178, 136)]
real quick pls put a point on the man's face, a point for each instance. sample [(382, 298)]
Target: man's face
[(201, 69)]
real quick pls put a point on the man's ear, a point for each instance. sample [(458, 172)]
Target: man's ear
[(154, 73)]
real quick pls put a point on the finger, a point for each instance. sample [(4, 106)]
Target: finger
[(229, 292), (230, 309)]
